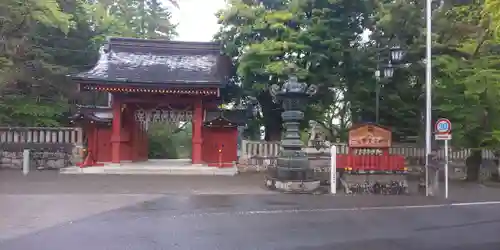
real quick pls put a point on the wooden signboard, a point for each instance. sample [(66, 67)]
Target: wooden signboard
[(369, 136)]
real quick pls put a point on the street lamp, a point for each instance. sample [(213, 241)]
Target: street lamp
[(396, 55), (388, 71)]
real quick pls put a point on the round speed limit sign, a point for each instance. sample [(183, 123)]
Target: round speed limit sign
[(443, 126)]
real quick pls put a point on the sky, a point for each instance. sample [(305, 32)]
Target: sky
[(196, 19)]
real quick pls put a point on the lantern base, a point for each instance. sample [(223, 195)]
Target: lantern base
[(294, 186), (286, 180)]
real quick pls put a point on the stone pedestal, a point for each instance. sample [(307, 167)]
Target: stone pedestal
[(296, 187)]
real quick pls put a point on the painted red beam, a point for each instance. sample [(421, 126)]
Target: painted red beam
[(152, 100), (175, 91)]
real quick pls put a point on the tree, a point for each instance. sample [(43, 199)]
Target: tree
[(171, 141), (316, 40), (466, 64), (42, 41), (321, 40), (142, 18), (469, 88), (24, 65)]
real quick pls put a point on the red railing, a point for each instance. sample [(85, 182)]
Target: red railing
[(370, 163)]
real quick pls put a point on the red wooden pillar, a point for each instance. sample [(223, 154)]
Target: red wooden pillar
[(136, 136), (116, 130), (197, 124)]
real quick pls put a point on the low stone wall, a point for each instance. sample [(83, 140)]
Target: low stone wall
[(53, 147), (253, 165), (41, 156), (11, 159)]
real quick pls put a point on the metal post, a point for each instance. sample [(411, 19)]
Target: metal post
[(333, 169), (26, 161), (446, 169), (377, 102), (428, 95)]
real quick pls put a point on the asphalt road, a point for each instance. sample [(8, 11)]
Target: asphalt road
[(108, 221)]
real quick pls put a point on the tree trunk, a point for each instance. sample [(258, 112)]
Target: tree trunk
[(473, 163), (143, 16), (272, 117), (273, 132), (153, 24)]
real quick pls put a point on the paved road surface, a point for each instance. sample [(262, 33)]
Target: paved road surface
[(41, 216)]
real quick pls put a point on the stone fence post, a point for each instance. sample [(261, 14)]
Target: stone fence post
[(76, 155)]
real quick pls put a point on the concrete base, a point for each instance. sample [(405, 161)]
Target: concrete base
[(154, 167), (292, 186)]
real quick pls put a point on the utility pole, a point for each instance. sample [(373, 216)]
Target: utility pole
[(428, 89)]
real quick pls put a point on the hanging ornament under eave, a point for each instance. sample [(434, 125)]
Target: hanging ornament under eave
[(147, 117), (141, 117)]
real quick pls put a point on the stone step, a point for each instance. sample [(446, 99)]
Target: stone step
[(151, 170)]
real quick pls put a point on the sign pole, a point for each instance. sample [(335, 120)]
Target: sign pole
[(333, 170), (443, 133), (446, 169)]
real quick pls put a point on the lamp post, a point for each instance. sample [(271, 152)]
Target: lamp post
[(396, 55), (292, 172), (428, 94)]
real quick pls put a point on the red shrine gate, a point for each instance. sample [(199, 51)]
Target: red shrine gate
[(153, 81)]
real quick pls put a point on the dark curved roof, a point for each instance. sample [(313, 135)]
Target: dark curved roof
[(236, 117), (358, 125), (91, 114), (158, 62)]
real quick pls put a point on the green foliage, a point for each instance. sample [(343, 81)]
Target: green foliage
[(134, 18), (41, 41), (490, 12), (169, 141), (311, 39), (26, 67), (29, 112), (465, 68), (320, 41)]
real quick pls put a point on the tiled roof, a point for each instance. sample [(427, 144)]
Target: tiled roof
[(99, 115), (238, 116), (158, 62)]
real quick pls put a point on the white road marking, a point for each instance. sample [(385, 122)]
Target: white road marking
[(350, 209), (479, 203)]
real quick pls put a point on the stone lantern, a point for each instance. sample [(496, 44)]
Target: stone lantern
[(292, 172)]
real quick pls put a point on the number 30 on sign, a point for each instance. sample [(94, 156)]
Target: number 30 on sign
[(443, 129)]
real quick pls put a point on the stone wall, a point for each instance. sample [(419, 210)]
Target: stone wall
[(41, 156), (50, 148), (11, 159)]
